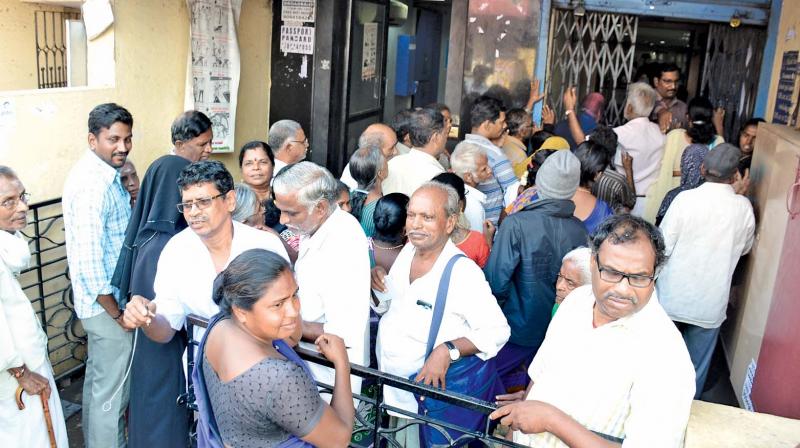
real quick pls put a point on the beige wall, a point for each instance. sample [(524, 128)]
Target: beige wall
[(790, 18), (46, 132)]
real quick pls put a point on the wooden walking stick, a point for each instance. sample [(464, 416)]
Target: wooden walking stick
[(48, 420)]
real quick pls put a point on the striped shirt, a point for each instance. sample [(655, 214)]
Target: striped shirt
[(612, 187), (96, 213), (502, 177), (631, 378)]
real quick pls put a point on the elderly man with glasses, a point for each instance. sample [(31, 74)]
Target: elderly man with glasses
[(289, 143), (613, 368), (192, 258)]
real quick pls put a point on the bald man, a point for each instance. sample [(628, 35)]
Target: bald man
[(376, 135)]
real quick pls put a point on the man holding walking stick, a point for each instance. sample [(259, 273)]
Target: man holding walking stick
[(25, 370)]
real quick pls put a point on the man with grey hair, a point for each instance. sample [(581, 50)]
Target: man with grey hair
[(470, 162), (642, 140), (288, 143), (377, 135), (471, 329), (332, 268), (575, 271)]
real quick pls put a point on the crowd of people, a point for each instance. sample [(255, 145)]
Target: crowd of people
[(573, 273)]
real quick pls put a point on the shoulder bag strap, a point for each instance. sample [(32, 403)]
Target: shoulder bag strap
[(441, 298)]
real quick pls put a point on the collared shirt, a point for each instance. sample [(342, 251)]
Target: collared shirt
[(408, 171), (679, 111), (471, 312), (22, 340), (97, 209), (474, 210), (279, 165), (185, 273), (644, 141), (631, 378), (706, 230), (333, 274), (612, 187), (502, 178)]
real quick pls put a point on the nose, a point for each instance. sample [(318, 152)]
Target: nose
[(22, 207), (293, 310), (284, 219)]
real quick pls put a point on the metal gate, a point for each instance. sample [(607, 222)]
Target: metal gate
[(730, 78), (595, 53)]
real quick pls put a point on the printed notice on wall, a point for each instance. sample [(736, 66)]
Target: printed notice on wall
[(297, 39), (370, 51), (212, 77), (786, 96), (298, 10)]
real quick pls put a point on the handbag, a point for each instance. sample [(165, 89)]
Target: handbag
[(469, 375)]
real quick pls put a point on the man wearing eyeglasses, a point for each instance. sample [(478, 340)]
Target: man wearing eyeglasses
[(613, 368), (192, 259), (96, 213), (670, 112), (24, 365), (289, 143)]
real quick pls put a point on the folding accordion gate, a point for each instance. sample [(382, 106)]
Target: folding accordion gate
[(595, 53)]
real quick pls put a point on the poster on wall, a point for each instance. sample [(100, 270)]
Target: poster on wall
[(370, 51), (298, 10), (786, 96), (297, 39), (212, 75)]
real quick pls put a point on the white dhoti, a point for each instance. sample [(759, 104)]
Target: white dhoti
[(27, 428)]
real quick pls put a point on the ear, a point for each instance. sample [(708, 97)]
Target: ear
[(451, 224), (230, 200), (239, 314), (92, 140)]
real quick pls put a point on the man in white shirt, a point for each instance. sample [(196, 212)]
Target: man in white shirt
[(332, 268), (377, 135), (706, 230), (642, 140), (408, 171), (192, 258), (23, 344), (472, 323), (612, 362), (470, 162), (288, 142)]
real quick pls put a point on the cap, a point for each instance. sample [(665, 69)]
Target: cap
[(559, 176), (722, 161)]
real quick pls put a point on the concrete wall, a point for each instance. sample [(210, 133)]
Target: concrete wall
[(44, 132), (790, 20)]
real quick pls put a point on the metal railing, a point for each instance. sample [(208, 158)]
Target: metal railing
[(46, 283), (377, 433)]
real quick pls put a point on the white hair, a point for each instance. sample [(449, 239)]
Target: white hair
[(246, 202), (581, 258), (451, 207), (464, 158), (642, 99), (311, 182), (279, 132)]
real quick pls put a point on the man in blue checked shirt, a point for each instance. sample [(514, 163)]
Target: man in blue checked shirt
[(488, 121), (96, 213)]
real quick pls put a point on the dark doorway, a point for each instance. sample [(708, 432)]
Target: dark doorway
[(428, 53)]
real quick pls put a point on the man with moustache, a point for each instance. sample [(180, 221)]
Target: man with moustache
[(191, 260), (332, 268), (472, 324), (612, 362), (96, 212), (669, 112), (23, 343)]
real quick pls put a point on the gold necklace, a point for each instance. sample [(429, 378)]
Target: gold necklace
[(375, 243)]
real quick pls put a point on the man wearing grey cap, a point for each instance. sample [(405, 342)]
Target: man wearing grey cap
[(706, 230), (523, 267)]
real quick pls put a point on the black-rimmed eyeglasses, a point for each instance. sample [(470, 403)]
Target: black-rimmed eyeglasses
[(12, 203), (201, 203), (614, 276)]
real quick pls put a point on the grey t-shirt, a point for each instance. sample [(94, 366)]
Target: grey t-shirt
[(264, 405)]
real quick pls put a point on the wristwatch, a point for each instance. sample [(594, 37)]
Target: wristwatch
[(455, 355), (569, 111)]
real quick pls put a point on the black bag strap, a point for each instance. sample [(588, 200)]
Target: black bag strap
[(441, 298)]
